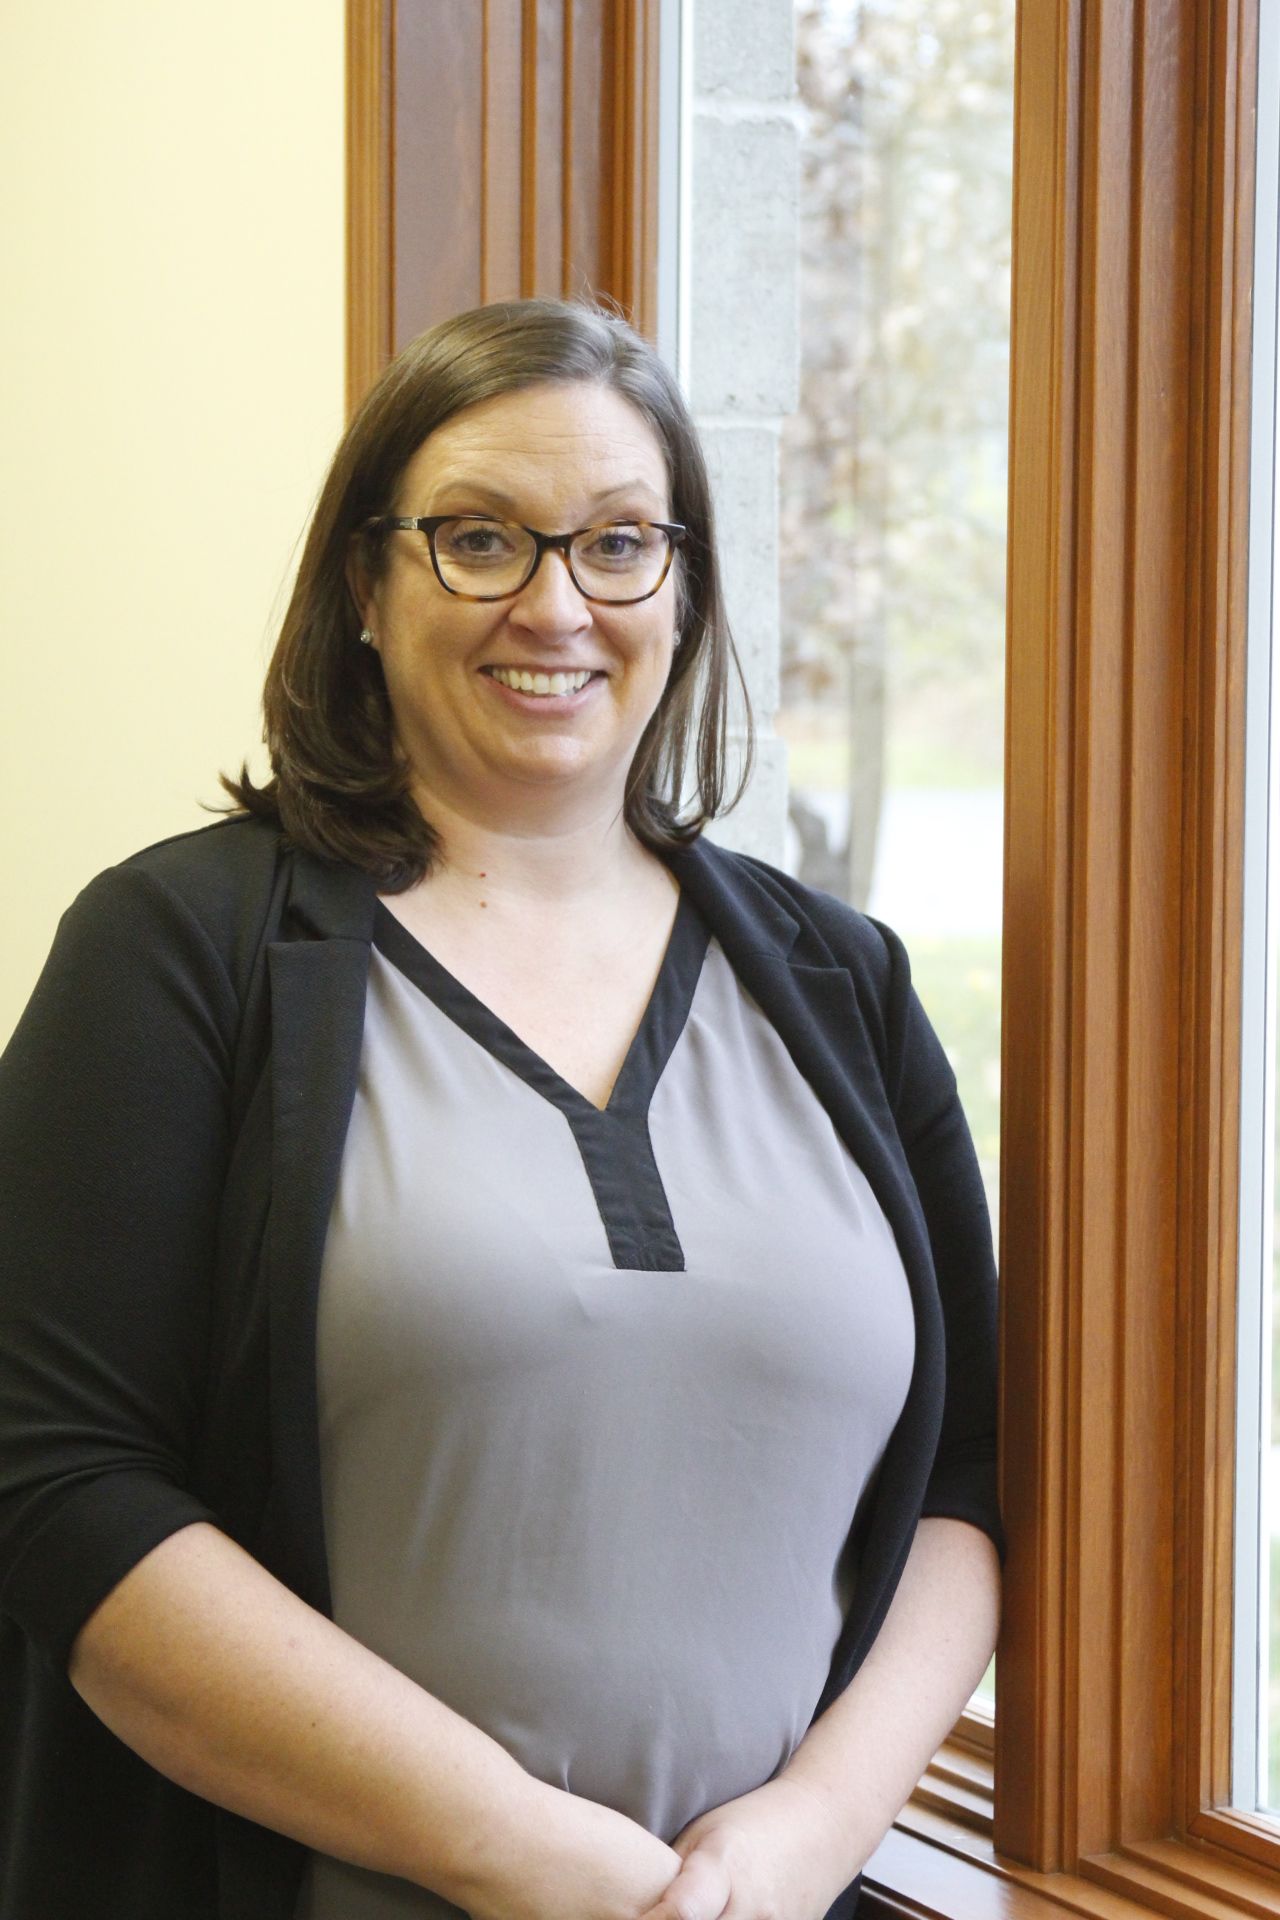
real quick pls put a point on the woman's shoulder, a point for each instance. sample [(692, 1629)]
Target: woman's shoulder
[(231, 852), (211, 891), (213, 870), (828, 929), (232, 886)]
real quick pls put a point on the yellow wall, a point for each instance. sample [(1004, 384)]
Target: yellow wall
[(171, 346)]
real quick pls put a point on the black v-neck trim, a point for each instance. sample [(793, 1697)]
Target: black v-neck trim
[(614, 1142)]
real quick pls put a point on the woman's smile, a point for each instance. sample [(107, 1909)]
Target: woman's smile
[(543, 691)]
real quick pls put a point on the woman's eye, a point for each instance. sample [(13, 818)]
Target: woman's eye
[(477, 540), (617, 543)]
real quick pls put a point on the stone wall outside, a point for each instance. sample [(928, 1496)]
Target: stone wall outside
[(745, 343)]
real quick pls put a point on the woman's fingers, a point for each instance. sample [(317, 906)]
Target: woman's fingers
[(700, 1891)]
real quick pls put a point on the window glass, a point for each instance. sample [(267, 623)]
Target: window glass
[(893, 497), (1265, 434)]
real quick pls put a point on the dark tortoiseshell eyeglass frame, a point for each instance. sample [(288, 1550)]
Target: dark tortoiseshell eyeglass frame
[(430, 524)]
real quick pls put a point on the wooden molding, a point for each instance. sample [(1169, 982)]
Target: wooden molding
[(1034, 1115), (633, 232), (542, 149), (501, 160), (515, 155), (934, 1870), (1232, 1832), (1128, 519), (1217, 543), (368, 172), (960, 1784)]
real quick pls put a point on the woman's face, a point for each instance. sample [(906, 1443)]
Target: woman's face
[(556, 457)]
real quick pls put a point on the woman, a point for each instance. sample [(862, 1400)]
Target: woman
[(498, 1363)]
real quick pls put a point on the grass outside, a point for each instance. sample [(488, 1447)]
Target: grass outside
[(928, 745)]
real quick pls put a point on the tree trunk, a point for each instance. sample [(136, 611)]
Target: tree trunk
[(867, 727)]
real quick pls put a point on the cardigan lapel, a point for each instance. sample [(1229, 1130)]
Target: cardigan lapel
[(814, 1006), (318, 981)]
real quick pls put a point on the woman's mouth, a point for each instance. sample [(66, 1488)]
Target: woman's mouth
[(539, 685)]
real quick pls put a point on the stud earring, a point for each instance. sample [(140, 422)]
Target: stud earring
[(366, 638)]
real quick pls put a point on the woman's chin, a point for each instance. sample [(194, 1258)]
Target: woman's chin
[(511, 789)]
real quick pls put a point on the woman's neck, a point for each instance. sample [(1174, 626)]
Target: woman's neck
[(585, 863)]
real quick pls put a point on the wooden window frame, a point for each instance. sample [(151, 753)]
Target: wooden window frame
[(1107, 1790)]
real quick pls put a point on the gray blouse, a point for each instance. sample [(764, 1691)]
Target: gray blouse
[(601, 1392)]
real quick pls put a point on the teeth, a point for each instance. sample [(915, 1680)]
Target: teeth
[(552, 683)]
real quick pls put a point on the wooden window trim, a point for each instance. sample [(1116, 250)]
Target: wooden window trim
[(1129, 515), (1129, 461), (563, 194), (633, 225), (370, 25)]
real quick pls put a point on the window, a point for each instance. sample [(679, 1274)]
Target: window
[(893, 493), (893, 500), (1120, 1089)]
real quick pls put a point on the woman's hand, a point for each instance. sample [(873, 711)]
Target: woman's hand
[(787, 1850), (772, 1854)]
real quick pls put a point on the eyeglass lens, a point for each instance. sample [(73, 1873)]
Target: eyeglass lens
[(492, 557)]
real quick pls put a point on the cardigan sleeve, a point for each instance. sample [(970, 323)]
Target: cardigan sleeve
[(944, 1166), (113, 1141)]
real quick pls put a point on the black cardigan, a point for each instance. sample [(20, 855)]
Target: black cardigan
[(172, 1113)]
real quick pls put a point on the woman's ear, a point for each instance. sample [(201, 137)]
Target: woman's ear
[(359, 582)]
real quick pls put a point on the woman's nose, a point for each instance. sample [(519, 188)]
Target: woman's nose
[(551, 599)]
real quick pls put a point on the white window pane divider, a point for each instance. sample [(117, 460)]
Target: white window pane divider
[(1257, 1486)]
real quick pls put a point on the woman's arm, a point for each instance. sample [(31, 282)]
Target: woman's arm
[(790, 1847), (226, 1682)]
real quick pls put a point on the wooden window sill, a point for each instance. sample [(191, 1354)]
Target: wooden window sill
[(940, 1860), (933, 1864)]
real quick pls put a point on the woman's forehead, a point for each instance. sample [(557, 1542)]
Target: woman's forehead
[(569, 435)]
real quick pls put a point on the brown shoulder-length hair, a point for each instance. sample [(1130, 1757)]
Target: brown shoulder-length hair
[(340, 784)]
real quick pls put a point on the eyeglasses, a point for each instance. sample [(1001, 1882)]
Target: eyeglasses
[(479, 558)]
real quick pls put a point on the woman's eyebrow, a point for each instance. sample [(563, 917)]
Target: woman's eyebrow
[(481, 490)]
